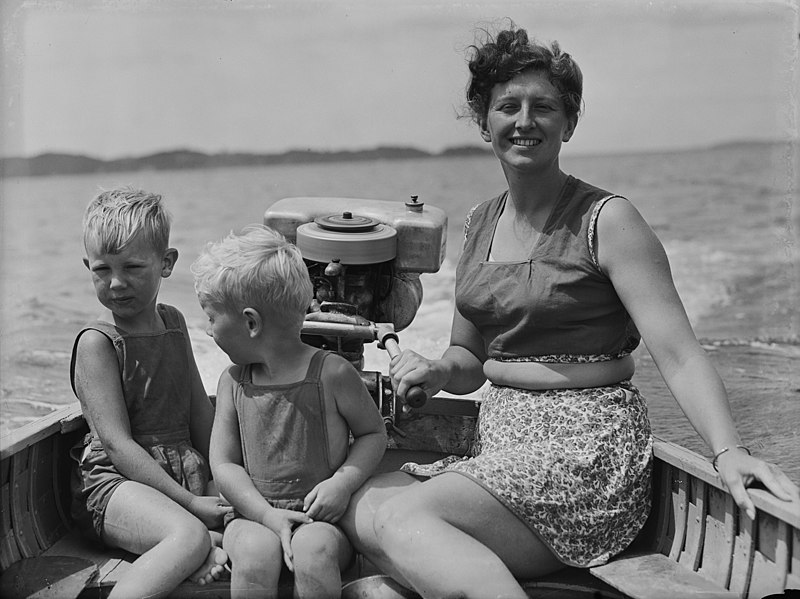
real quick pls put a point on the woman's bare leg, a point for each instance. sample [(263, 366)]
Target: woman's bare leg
[(449, 537), (256, 559), (358, 521), (321, 551), (171, 542)]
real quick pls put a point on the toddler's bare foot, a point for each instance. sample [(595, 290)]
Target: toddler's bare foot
[(212, 568)]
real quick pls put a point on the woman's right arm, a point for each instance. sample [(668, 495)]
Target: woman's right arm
[(458, 371)]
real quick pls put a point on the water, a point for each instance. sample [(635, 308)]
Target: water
[(723, 215)]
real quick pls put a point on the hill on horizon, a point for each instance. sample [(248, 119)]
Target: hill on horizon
[(54, 163)]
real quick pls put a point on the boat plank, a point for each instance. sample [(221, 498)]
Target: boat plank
[(48, 524), (717, 552), (9, 552), (47, 578), (21, 516), (680, 500), (665, 530), (655, 576), (695, 525), (33, 432), (793, 576), (771, 558), (743, 553)]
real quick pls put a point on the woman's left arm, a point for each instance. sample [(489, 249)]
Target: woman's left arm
[(629, 252)]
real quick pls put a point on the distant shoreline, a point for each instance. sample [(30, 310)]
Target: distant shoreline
[(67, 164), (54, 163)]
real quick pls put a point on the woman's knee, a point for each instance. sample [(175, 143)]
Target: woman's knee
[(394, 521)]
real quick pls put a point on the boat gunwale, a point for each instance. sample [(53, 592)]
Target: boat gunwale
[(70, 418), (699, 467)]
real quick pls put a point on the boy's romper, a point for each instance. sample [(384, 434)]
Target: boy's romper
[(284, 435), (157, 386)]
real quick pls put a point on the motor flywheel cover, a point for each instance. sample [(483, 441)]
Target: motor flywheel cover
[(347, 238)]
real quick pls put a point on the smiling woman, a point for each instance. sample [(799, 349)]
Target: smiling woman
[(557, 283)]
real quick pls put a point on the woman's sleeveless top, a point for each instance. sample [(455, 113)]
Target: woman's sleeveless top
[(155, 375), (284, 434), (556, 303)]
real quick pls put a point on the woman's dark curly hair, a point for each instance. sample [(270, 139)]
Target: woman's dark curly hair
[(505, 56)]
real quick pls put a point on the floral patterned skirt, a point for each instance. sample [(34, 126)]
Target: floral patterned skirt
[(573, 464)]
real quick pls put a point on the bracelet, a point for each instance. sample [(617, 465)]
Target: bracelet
[(723, 450)]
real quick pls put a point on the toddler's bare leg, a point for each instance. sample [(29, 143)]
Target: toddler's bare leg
[(170, 541), (321, 551), (256, 559)]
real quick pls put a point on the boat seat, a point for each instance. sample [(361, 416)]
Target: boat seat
[(651, 575), (635, 574), (111, 564)]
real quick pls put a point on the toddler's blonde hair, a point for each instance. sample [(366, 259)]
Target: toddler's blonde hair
[(256, 268)]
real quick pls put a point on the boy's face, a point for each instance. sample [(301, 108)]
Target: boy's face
[(127, 283), (229, 331)]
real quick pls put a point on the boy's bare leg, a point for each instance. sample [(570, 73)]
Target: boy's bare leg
[(451, 537), (256, 559), (214, 565), (170, 541), (321, 551)]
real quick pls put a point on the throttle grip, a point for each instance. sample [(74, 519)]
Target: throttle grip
[(415, 396)]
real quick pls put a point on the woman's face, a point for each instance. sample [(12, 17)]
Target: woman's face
[(526, 122)]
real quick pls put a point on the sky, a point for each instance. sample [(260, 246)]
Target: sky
[(113, 79)]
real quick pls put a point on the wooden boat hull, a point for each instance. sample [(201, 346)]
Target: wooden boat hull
[(696, 541)]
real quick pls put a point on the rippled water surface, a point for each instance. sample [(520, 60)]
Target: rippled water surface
[(723, 215)]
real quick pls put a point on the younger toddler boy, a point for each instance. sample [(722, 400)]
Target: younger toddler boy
[(280, 450)]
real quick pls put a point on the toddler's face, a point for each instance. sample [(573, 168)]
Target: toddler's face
[(127, 283), (229, 331)]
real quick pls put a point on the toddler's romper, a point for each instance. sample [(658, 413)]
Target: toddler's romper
[(573, 464), (156, 383), (284, 435)]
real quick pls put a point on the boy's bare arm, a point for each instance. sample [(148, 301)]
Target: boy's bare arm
[(100, 393), (201, 417), (226, 456), (366, 424), (329, 499)]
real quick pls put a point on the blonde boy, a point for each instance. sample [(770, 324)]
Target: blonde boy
[(140, 482), (280, 449)]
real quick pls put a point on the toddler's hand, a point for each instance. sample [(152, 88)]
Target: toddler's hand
[(327, 501), (281, 522), (210, 509)]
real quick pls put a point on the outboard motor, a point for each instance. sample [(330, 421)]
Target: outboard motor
[(364, 258)]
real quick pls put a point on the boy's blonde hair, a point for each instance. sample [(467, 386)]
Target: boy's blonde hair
[(256, 268), (114, 217)]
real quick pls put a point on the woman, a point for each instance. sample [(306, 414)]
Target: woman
[(555, 284)]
